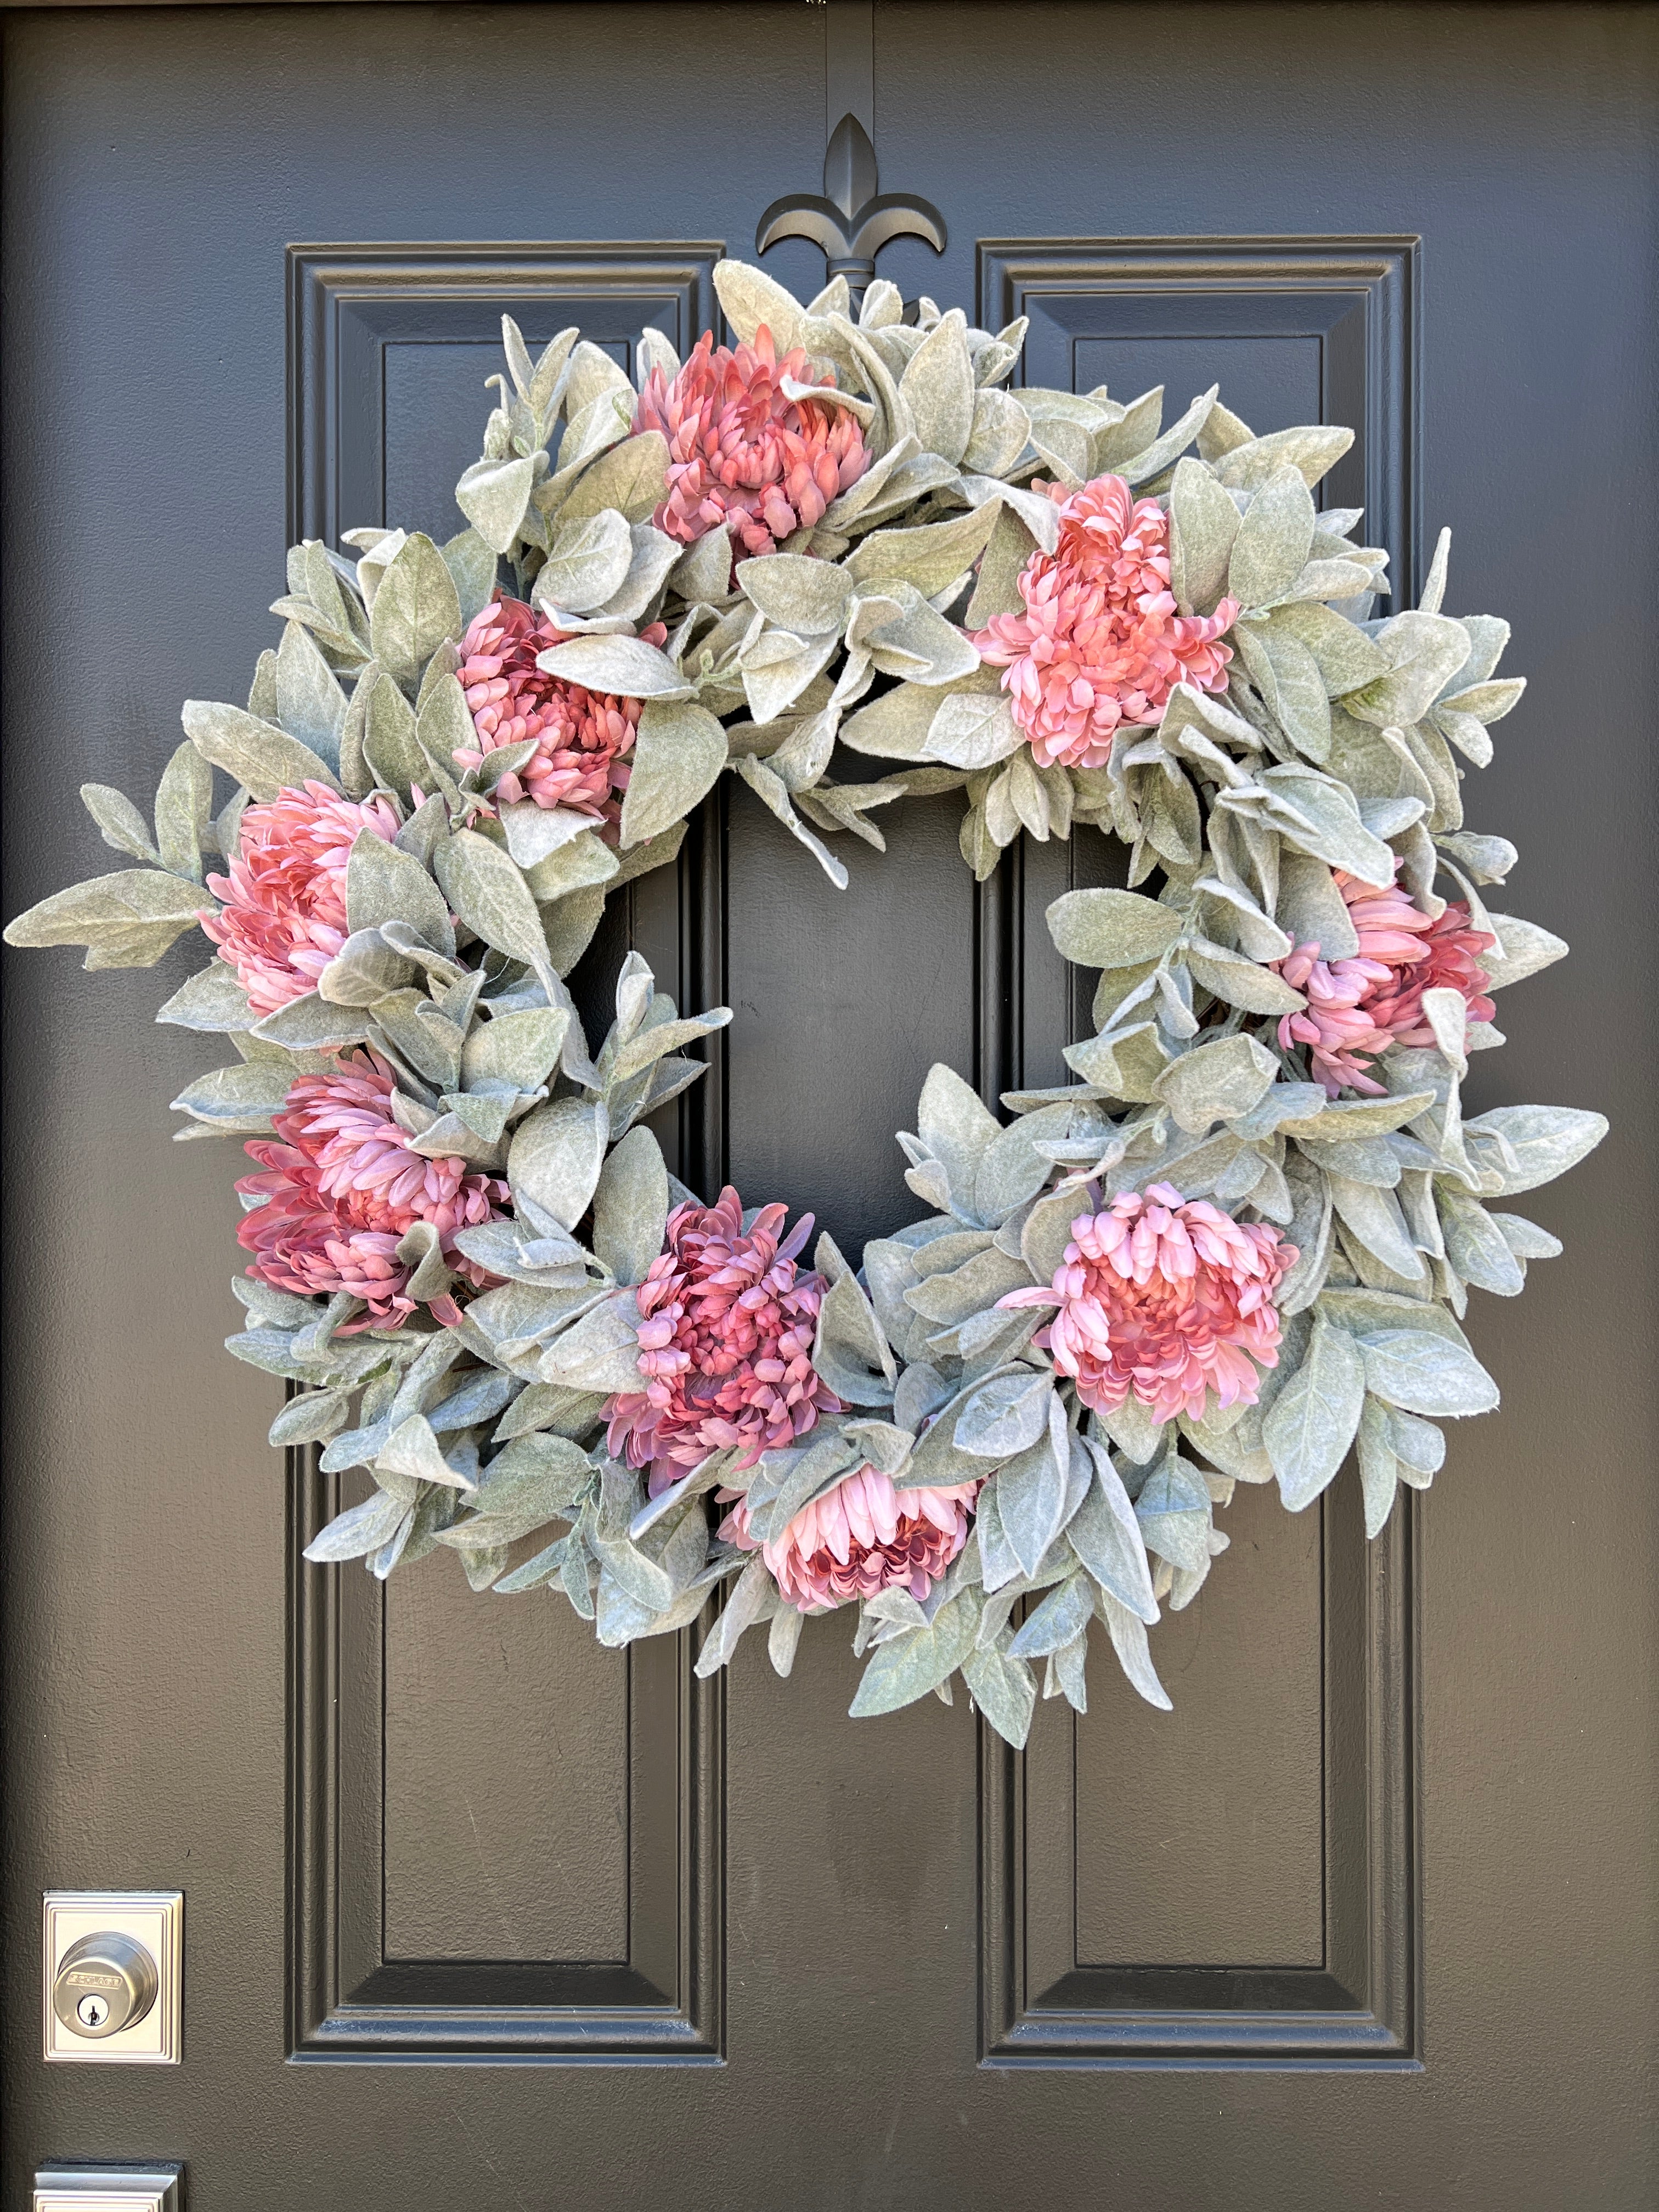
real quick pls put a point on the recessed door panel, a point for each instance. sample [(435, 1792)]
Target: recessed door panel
[(1207, 1857)]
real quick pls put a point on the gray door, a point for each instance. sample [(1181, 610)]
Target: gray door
[(1370, 1917)]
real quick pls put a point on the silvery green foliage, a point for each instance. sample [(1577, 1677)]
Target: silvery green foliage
[(480, 1433), (1335, 747)]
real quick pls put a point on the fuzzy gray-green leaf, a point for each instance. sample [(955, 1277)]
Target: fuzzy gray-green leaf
[(256, 753), (678, 753), (630, 1207), (490, 896), (1111, 928), (416, 608), (1422, 1373), (384, 884), (1315, 1416)]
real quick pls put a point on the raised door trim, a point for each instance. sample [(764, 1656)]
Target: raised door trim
[(1038, 2004), (1362, 293), (345, 2001), (347, 303)]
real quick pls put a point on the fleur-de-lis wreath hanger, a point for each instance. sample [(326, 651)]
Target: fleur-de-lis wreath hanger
[(854, 218)]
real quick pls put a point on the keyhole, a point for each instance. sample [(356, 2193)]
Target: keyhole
[(92, 2011)]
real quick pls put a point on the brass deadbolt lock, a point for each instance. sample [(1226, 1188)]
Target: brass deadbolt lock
[(104, 1982)]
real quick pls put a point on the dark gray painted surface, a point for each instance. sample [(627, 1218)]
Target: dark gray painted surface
[(1492, 1687)]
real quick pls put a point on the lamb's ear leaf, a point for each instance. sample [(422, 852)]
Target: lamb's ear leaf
[(1128, 1634), (1203, 523), (851, 1350), (750, 297), (1315, 1416), (313, 1023), (629, 665), (1004, 1690), (1111, 928), (257, 754), (184, 808), (1313, 451), (122, 825), (471, 566), (554, 1164), (678, 753), (491, 897), (1523, 948), (112, 907), (630, 1207), (589, 562), (212, 1000), (751, 1599), (310, 703), (384, 884), (1271, 549), (1107, 1538), (1421, 1373), (600, 1352), (416, 608), (494, 496), (1545, 1140), (1216, 1082), (1004, 1414), (631, 477), (911, 1665)]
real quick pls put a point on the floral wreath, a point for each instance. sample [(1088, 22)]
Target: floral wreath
[(1239, 1244)]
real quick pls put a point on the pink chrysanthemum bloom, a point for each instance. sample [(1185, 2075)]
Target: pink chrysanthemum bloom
[(1357, 1007), (341, 1187), (583, 739), (284, 915), (1100, 645), (740, 451), (860, 1537), (1166, 1297), (726, 1343)]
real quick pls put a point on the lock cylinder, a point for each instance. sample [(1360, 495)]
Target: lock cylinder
[(104, 1983)]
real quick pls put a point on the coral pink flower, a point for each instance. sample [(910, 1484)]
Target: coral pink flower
[(1448, 959), (726, 1343), (1165, 1298), (583, 739), (861, 1537), (1357, 1007), (740, 451), (284, 916), (1100, 645), (342, 1187)]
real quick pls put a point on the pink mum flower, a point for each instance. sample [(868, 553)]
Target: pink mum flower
[(1357, 1007), (341, 1187), (861, 1537), (1100, 644), (583, 739), (740, 451), (726, 1343), (1166, 1297), (284, 916)]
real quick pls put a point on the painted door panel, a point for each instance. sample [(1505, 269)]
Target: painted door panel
[(1370, 1917)]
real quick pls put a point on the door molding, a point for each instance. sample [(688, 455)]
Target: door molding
[(348, 306), (1357, 297), (664, 2000), (1039, 2003), (347, 303)]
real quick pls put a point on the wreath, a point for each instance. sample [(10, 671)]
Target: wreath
[(1240, 1244)]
